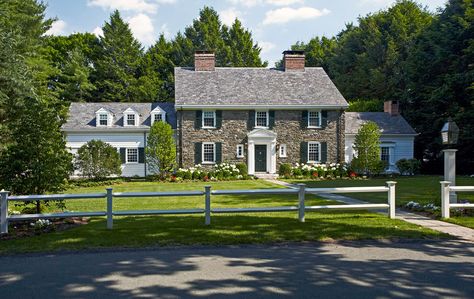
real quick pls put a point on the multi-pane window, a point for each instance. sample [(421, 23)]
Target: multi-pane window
[(103, 119), (282, 150), (208, 153), (240, 151), (157, 117), (132, 155), (313, 152), (385, 154), (314, 118), (130, 119), (261, 119), (209, 119)]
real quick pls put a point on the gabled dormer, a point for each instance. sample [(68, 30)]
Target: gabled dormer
[(157, 114), (103, 118), (131, 118)]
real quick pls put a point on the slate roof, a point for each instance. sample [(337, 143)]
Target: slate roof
[(387, 123), (82, 115), (256, 86)]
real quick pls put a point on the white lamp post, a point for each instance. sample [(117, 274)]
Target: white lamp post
[(450, 134)]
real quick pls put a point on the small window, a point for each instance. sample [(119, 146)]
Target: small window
[(103, 119), (157, 117), (314, 152), (240, 151), (314, 119), (282, 152), (385, 154), (261, 119), (130, 119), (132, 155), (208, 153), (209, 119)]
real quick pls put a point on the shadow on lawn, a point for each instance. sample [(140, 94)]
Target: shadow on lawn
[(401, 269)]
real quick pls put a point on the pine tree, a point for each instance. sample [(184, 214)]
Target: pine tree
[(117, 68)]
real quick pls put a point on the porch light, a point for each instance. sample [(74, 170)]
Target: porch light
[(450, 132)]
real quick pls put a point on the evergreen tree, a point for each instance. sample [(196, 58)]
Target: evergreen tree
[(367, 147), (161, 149), (318, 51), (117, 68)]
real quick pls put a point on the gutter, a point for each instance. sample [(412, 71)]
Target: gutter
[(247, 107)]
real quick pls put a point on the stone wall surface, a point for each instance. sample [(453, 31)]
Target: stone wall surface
[(234, 131)]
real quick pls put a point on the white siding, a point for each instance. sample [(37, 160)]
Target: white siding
[(118, 140), (402, 148)]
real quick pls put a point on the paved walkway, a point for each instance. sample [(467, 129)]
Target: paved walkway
[(349, 269), (458, 231)]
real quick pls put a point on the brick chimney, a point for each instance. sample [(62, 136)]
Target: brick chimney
[(204, 61), (293, 60), (391, 107)]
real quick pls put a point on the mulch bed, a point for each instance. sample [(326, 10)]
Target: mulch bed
[(23, 229)]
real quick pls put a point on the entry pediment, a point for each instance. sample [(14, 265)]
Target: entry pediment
[(262, 133)]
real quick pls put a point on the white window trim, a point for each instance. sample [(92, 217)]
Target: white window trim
[(202, 121), (319, 152), (240, 148), (126, 155), (98, 119), (267, 122), (282, 146), (202, 153), (125, 119), (163, 116), (391, 153), (320, 120)]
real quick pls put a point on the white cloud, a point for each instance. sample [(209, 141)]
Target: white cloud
[(57, 28), (266, 46), (142, 28), (228, 16), (165, 30), (283, 2), (247, 3), (125, 5), (288, 14), (98, 31)]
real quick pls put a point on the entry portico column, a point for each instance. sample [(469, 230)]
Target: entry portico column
[(251, 157)]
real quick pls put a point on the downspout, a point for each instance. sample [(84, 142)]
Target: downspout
[(180, 150), (338, 137)]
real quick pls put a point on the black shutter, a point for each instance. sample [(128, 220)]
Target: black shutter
[(218, 152), (122, 155), (251, 120), (324, 118), (218, 119), (324, 152), (197, 153), (166, 118), (141, 155), (304, 152), (304, 119), (271, 120), (198, 120)]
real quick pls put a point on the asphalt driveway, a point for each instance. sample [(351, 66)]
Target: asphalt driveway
[(358, 269)]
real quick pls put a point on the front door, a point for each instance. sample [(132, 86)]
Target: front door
[(260, 158)]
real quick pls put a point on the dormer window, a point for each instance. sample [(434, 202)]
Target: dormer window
[(103, 118), (130, 118), (157, 114)]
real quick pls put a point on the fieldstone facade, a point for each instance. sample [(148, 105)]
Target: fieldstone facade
[(235, 127)]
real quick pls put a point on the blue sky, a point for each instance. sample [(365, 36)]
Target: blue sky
[(275, 24)]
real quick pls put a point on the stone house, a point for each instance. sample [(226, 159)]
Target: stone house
[(263, 117)]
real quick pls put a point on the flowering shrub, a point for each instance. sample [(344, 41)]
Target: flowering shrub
[(41, 223), (222, 171), (413, 205), (318, 171)]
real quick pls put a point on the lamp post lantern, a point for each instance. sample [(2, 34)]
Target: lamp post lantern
[(450, 135)]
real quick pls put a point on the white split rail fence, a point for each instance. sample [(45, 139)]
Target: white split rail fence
[(446, 206), (109, 195)]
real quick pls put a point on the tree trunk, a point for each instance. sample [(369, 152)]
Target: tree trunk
[(38, 207)]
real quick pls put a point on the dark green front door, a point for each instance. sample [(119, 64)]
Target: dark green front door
[(260, 158)]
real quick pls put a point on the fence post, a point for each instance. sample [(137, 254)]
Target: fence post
[(445, 213), (207, 211), (301, 206), (4, 212), (110, 219), (391, 199)]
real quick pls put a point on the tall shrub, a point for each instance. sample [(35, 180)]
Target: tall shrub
[(98, 160), (367, 147), (161, 149)]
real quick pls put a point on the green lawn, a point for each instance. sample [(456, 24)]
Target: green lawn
[(422, 189), (225, 228)]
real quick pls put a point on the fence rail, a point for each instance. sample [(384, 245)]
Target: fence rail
[(446, 205), (109, 195)]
